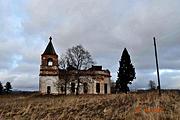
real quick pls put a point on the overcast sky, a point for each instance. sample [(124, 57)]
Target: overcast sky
[(104, 27)]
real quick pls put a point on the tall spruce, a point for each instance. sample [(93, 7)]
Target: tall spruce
[(126, 73)]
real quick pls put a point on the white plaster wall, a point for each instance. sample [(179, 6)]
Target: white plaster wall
[(45, 81), (108, 81), (94, 87)]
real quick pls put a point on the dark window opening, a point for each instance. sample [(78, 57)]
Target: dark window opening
[(85, 87), (73, 87), (105, 88), (62, 89), (48, 89), (98, 87)]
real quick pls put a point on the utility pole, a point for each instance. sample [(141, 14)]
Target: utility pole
[(159, 86)]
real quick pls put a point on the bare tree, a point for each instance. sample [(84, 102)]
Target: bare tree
[(58, 85), (61, 84), (152, 85), (80, 59)]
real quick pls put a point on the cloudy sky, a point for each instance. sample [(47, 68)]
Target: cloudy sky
[(104, 27)]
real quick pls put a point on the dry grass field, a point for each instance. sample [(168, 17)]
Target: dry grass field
[(132, 106)]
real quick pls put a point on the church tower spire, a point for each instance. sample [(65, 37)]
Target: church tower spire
[(50, 48), (49, 69)]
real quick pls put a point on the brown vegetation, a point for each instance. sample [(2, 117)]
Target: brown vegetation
[(130, 106)]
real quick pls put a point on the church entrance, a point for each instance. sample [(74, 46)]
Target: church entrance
[(48, 89)]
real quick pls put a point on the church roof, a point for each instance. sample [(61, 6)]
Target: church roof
[(50, 48)]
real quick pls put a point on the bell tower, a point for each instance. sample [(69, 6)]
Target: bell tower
[(49, 70)]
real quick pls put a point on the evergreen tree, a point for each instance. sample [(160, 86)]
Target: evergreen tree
[(8, 87), (1, 88), (126, 73)]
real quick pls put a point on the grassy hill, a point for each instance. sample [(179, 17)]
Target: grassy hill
[(132, 106)]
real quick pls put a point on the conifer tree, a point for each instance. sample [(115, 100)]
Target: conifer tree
[(126, 73), (1, 88), (8, 87)]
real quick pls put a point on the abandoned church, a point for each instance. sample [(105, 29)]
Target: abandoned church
[(52, 79)]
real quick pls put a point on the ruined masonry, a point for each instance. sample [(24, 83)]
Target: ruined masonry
[(95, 80)]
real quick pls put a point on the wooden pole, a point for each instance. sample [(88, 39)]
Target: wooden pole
[(157, 66)]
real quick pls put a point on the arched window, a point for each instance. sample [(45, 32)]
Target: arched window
[(50, 62)]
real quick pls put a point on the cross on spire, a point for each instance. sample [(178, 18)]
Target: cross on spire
[(50, 38)]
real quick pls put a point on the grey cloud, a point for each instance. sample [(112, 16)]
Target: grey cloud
[(105, 28)]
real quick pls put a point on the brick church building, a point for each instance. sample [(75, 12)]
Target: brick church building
[(52, 79)]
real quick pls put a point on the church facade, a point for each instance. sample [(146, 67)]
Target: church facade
[(53, 80)]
